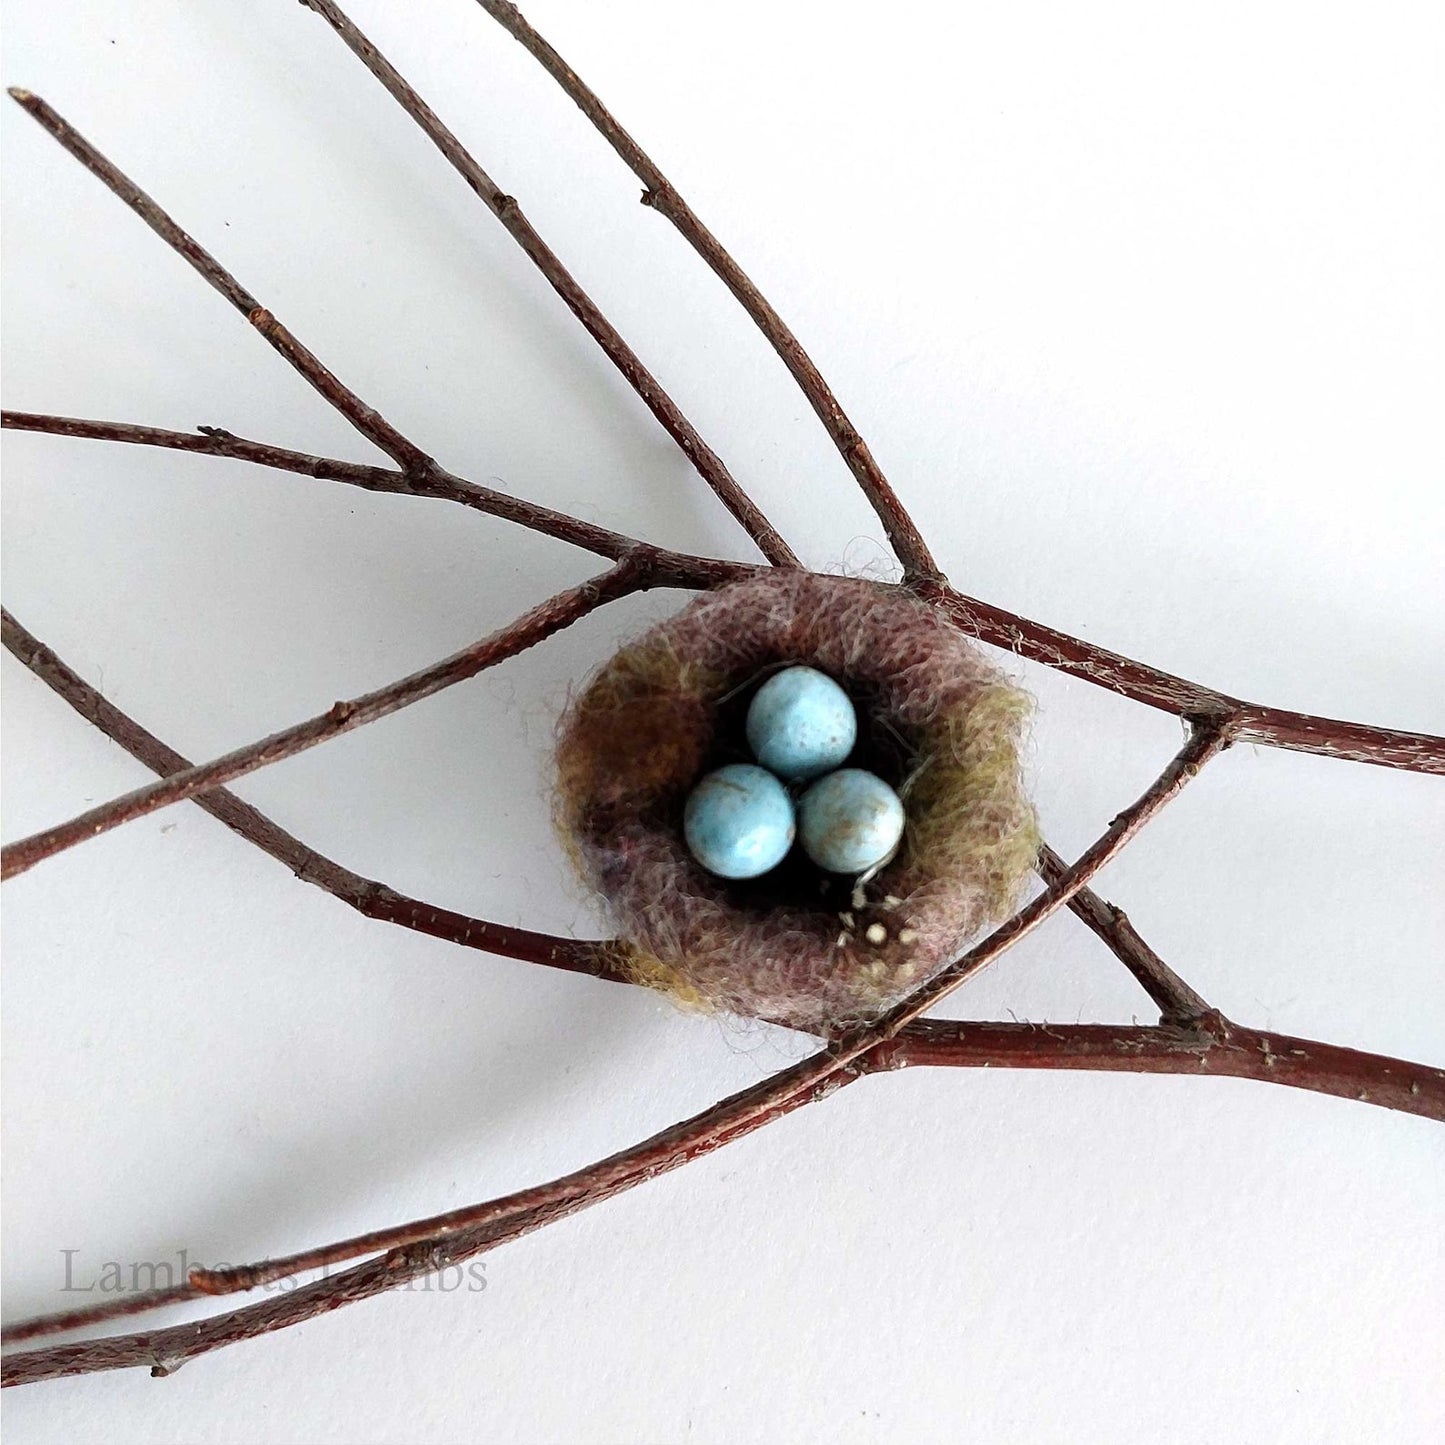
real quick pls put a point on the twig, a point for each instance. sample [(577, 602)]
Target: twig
[(372, 899), (903, 535), (632, 574), (164, 1351), (436, 483), (1178, 1002), (371, 424), (1331, 738), (1249, 722), (1246, 1053), (695, 1137), (709, 465), (1219, 1048)]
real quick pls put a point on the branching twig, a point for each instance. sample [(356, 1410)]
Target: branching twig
[(438, 483), (904, 536), (1222, 1051), (412, 460), (1274, 727), (632, 574), (1178, 1003), (372, 899), (748, 1110), (709, 465), (1205, 741), (369, 423)]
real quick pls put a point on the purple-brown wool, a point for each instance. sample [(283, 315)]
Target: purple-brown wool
[(936, 720)]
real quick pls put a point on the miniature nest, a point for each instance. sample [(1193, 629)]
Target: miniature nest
[(936, 720)]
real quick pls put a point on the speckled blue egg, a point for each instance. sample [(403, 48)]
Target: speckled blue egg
[(739, 821), (801, 724), (850, 821)]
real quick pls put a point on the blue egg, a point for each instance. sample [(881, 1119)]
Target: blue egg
[(801, 724), (850, 821), (738, 821)]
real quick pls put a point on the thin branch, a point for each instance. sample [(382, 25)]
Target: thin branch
[(1220, 1050), (420, 1256), (1302, 732), (164, 1351), (1177, 1002), (437, 483), (632, 574), (370, 898), (1217, 1048), (370, 423), (904, 537), (709, 465), (1249, 722)]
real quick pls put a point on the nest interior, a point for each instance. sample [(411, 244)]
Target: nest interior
[(936, 720)]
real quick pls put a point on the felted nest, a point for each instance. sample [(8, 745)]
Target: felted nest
[(936, 720)]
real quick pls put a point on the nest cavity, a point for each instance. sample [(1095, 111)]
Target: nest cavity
[(935, 720)]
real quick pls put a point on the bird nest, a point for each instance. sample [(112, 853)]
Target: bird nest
[(799, 946)]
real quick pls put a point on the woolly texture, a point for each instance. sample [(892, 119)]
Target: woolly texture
[(936, 720)]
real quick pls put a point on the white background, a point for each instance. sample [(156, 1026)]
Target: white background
[(1141, 309)]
